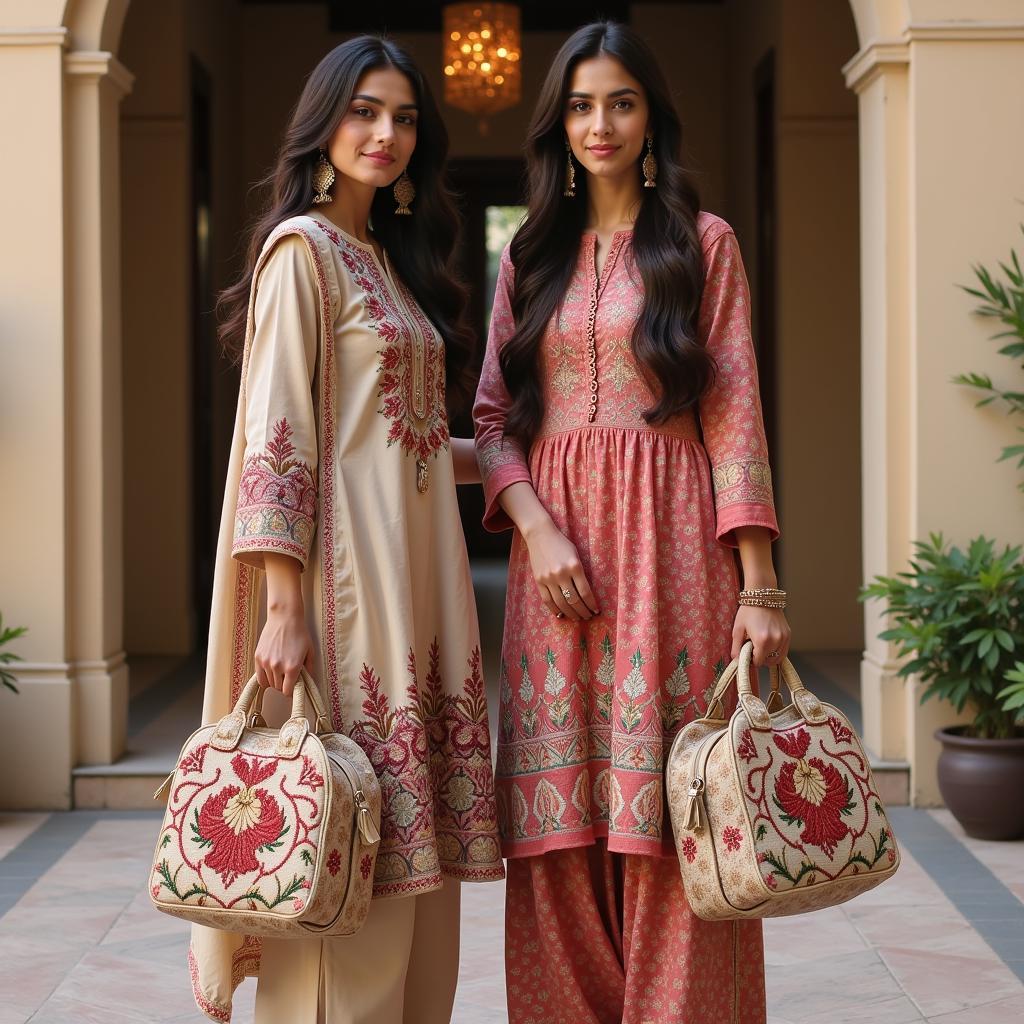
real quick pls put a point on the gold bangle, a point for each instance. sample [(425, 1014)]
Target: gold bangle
[(762, 597)]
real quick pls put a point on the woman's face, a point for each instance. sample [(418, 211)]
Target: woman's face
[(606, 115), (377, 133)]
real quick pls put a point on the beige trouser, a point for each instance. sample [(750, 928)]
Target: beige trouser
[(401, 967)]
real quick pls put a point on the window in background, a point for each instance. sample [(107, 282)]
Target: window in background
[(500, 225)]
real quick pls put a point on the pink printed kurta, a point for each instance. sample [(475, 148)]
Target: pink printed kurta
[(588, 710)]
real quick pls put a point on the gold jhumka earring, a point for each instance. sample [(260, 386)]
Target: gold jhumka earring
[(650, 165), (570, 173), (405, 193), (323, 179)]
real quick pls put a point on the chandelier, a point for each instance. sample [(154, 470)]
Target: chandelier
[(481, 50)]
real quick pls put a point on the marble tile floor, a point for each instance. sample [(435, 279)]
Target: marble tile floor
[(942, 942)]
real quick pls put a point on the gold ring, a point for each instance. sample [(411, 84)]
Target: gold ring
[(774, 654)]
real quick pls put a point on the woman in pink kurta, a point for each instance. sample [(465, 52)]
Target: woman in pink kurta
[(603, 663)]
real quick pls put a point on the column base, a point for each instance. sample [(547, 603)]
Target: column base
[(883, 708), (102, 708), (36, 756)]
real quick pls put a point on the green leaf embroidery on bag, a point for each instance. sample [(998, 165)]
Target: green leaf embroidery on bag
[(274, 843), (198, 836)]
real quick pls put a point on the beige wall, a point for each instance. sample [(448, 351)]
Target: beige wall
[(60, 563), (817, 452), (939, 190), (160, 40), (819, 325), (157, 410)]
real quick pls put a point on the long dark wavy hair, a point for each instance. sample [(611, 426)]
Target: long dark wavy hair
[(666, 248), (420, 247)]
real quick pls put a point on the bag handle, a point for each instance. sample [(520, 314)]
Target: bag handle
[(323, 720), (757, 712), (248, 709), (726, 678)]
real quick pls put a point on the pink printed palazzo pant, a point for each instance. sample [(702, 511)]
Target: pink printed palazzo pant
[(593, 937)]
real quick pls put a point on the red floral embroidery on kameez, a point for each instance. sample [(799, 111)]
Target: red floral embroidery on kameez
[(432, 757), (421, 436)]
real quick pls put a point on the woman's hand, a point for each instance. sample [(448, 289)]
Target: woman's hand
[(285, 645), (767, 628), (558, 571), (554, 559)]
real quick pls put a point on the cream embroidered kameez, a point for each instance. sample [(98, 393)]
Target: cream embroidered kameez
[(341, 459)]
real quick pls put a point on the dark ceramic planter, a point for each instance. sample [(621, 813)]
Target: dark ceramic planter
[(982, 782)]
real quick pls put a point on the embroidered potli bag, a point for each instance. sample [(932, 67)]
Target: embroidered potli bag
[(269, 832), (774, 813)]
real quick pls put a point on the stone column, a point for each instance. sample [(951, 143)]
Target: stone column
[(95, 84), (60, 395), (33, 430), (940, 190)]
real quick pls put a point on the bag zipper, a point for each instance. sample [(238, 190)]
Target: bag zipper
[(367, 828), (696, 815)]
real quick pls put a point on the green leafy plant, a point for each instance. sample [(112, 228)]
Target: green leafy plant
[(6, 657), (958, 616), (1003, 301)]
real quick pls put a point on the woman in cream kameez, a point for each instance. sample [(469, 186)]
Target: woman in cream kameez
[(619, 432), (341, 548)]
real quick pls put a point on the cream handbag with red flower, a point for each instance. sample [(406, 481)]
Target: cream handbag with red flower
[(774, 813), (269, 832)]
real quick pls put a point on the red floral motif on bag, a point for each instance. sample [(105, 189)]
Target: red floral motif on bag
[(812, 794), (310, 776), (840, 733), (238, 821), (366, 866), (193, 760), (334, 862), (746, 749), (732, 837), (690, 848)]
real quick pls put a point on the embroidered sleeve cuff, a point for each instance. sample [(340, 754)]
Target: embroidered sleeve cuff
[(743, 497), (276, 509), (273, 528)]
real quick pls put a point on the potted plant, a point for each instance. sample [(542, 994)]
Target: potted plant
[(6, 657), (958, 617)]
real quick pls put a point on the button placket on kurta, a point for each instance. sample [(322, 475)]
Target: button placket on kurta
[(597, 286)]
